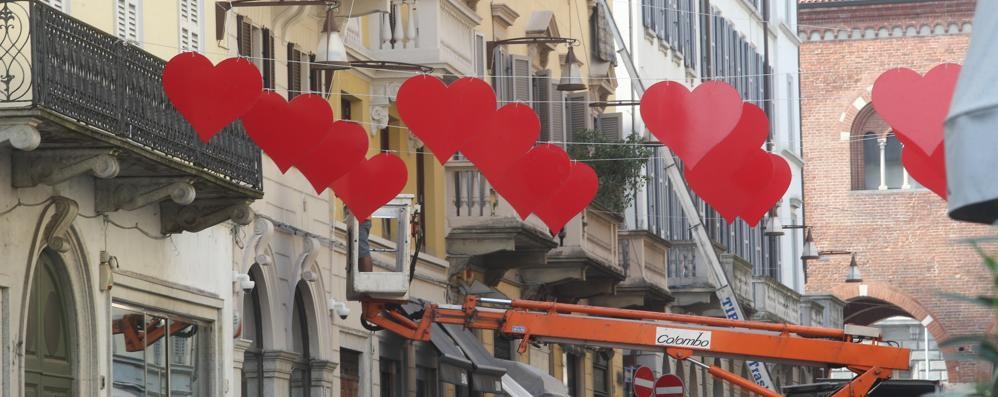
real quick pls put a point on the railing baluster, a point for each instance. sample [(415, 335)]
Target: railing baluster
[(457, 192)]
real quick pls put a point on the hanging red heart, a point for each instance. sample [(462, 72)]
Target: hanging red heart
[(511, 133), (287, 130), (916, 106), (533, 178), (371, 184), (769, 192), (930, 171), (343, 148), (713, 178), (729, 186), (570, 199), (691, 124), (211, 97), (445, 117)]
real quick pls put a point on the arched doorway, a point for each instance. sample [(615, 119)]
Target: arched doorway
[(252, 374), (49, 368), (301, 369)]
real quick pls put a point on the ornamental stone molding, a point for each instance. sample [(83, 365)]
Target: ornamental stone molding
[(883, 32)]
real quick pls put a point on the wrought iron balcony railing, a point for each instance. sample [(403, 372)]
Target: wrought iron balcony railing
[(59, 68)]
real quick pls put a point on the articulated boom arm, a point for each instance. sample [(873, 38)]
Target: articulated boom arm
[(680, 336)]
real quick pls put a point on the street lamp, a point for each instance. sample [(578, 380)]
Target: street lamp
[(332, 53), (810, 248), (774, 226), (571, 69), (854, 276)]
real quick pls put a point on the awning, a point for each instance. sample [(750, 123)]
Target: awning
[(454, 366), (535, 382), (487, 377), (972, 126)]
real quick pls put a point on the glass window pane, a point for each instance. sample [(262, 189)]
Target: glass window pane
[(128, 353), (871, 161), (185, 379), (156, 371), (892, 161)]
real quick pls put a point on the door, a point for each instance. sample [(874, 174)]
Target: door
[(49, 345)]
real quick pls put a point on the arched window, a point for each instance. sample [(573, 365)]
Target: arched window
[(876, 154), (48, 349), (252, 376), (301, 369)]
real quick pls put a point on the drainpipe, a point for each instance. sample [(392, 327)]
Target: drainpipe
[(766, 78)]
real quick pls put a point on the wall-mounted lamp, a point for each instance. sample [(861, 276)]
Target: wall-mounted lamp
[(854, 276), (774, 226)]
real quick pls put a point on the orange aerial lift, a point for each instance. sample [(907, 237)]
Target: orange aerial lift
[(382, 294)]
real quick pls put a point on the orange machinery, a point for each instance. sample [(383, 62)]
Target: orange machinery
[(858, 348)]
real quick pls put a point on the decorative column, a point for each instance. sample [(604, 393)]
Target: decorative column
[(883, 163), (277, 365), (323, 377)]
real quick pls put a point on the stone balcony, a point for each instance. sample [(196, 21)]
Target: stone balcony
[(690, 283), (435, 33), (644, 258), (822, 311), (77, 101), (586, 264), (484, 231), (775, 302)]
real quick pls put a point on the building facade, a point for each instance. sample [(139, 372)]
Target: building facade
[(859, 197)]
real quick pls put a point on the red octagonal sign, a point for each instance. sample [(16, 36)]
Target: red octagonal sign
[(644, 382), (669, 385)]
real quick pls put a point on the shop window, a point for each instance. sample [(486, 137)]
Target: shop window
[(349, 373), (158, 354)]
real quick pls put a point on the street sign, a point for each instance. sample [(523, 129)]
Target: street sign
[(644, 382), (669, 385)]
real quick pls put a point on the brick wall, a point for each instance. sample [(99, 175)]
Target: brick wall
[(907, 248)]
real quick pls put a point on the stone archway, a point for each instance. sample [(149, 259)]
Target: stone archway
[(50, 356)]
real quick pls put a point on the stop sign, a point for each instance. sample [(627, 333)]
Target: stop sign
[(644, 382), (669, 385)]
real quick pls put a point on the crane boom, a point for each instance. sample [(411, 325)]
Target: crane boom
[(679, 336)]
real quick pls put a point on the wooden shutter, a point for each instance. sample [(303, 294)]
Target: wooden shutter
[(661, 28), (57, 4), (610, 126), (577, 115), (647, 14), (479, 55), (190, 25), (294, 71), (542, 103), (127, 19), (556, 113), (520, 79), (268, 58), (672, 23), (244, 38)]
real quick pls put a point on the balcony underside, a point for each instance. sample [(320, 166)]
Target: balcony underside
[(571, 274), (638, 295), (495, 246)]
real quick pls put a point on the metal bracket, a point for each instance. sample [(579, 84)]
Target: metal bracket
[(51, 167), (202, 215), (21, 134), (57, 227), (134, 193)]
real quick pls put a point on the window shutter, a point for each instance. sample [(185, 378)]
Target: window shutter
[(294, 71), (660, 12), (57, 4), (244, 38), (268, 58), (647, 14), (610, 126), (479, 55), (190, 25), (127, 20), (672, 22), (521, 79), (542, 103), (577, 114), (556, 111)]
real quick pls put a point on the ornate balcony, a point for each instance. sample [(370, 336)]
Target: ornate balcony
[(775, 302), (691, 285), (483, 230), (75, 100), (436, 33), (644, 257), (585, 265)]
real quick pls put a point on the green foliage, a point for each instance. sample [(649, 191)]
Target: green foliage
[(617, 165)]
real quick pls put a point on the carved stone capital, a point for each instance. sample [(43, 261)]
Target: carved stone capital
[(21, 134), (202, 214), (51, 167), (379, 118)]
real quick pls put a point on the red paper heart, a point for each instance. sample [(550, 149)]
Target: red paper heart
[(343, 147), (727, 186), (445, 117), (691, 124), (511, 133), (916, 106), (533, 178), (371, 184), (768, 193), (211, 97), (930, 171), (570, 199), (287, 130)]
